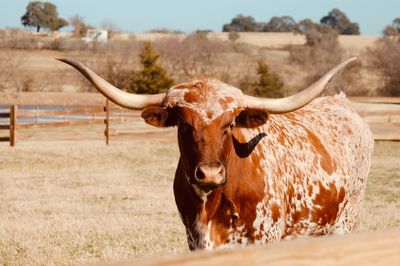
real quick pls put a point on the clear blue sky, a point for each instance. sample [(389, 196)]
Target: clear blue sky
[(187, 15)]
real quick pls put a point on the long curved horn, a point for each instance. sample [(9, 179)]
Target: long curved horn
[(298, 100), (117, 96)]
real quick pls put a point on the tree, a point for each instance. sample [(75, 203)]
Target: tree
[(339, 21), (79, 27), (242, 23), (191, 56), (386, 59), (306, 25), (280, 24), (153, 77), (267, 84), (42, 15), (321, 51), (394, 29), (233, 36), (322, 35), (110, 27)]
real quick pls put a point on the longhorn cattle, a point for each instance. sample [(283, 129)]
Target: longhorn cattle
[(256, 170)]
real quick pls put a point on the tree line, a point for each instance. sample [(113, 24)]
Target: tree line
[(321, 49), (41, 15), (335, 19)]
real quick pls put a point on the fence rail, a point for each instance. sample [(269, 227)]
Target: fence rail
[(38, 112), (381, 113), (35, 117), (375, 99)]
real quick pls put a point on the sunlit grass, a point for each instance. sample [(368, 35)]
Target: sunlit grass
[(74, 202)]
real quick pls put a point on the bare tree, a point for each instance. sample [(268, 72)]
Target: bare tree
[(12, 76), (386, 59), (189, 57), (79, 27)]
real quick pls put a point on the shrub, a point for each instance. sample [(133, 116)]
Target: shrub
[(233, 36), (116, 70), (153, 77), (320, 53), (165, 31), (386, 59), (79, 27), (267, 84), (17, 39), (190, 57), (394, 29)]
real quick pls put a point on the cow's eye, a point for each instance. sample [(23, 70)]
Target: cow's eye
[(183, 126), (227, 130)]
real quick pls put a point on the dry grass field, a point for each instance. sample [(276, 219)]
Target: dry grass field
[(74, 202), (64, 200), (36, 70)]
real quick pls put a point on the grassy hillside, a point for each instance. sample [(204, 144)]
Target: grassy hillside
[(25, 67)]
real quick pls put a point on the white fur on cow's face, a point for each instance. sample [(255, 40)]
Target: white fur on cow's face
[(217, 98)]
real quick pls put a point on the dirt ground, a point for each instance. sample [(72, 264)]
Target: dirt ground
[(66, 198)]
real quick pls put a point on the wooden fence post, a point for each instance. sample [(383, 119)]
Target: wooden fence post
[(107, 122), (13, 125), (37, 114)]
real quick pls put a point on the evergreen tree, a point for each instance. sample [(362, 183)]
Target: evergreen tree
[(269, 84), (152, 78)]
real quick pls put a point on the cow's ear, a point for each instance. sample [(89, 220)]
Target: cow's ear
[(158, 117), (250, 118)]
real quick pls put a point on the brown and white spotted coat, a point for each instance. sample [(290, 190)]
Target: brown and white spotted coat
[(301, 173)]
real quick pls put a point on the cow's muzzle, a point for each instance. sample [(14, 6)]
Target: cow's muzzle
[(209, 176)]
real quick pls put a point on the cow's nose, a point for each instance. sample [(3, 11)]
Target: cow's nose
[(210, 174)]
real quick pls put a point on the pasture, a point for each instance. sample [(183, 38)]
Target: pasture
[(65, 200)]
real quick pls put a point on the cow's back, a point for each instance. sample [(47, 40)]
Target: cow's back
[(316, 162)]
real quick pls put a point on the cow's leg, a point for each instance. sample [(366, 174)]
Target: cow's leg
[(349, 218)]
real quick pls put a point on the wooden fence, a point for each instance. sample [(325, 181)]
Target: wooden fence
[(19, 117), (11, 127), (377, 248), (381, 113)]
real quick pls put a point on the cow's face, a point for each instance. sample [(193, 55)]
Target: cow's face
[(207, 114)]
